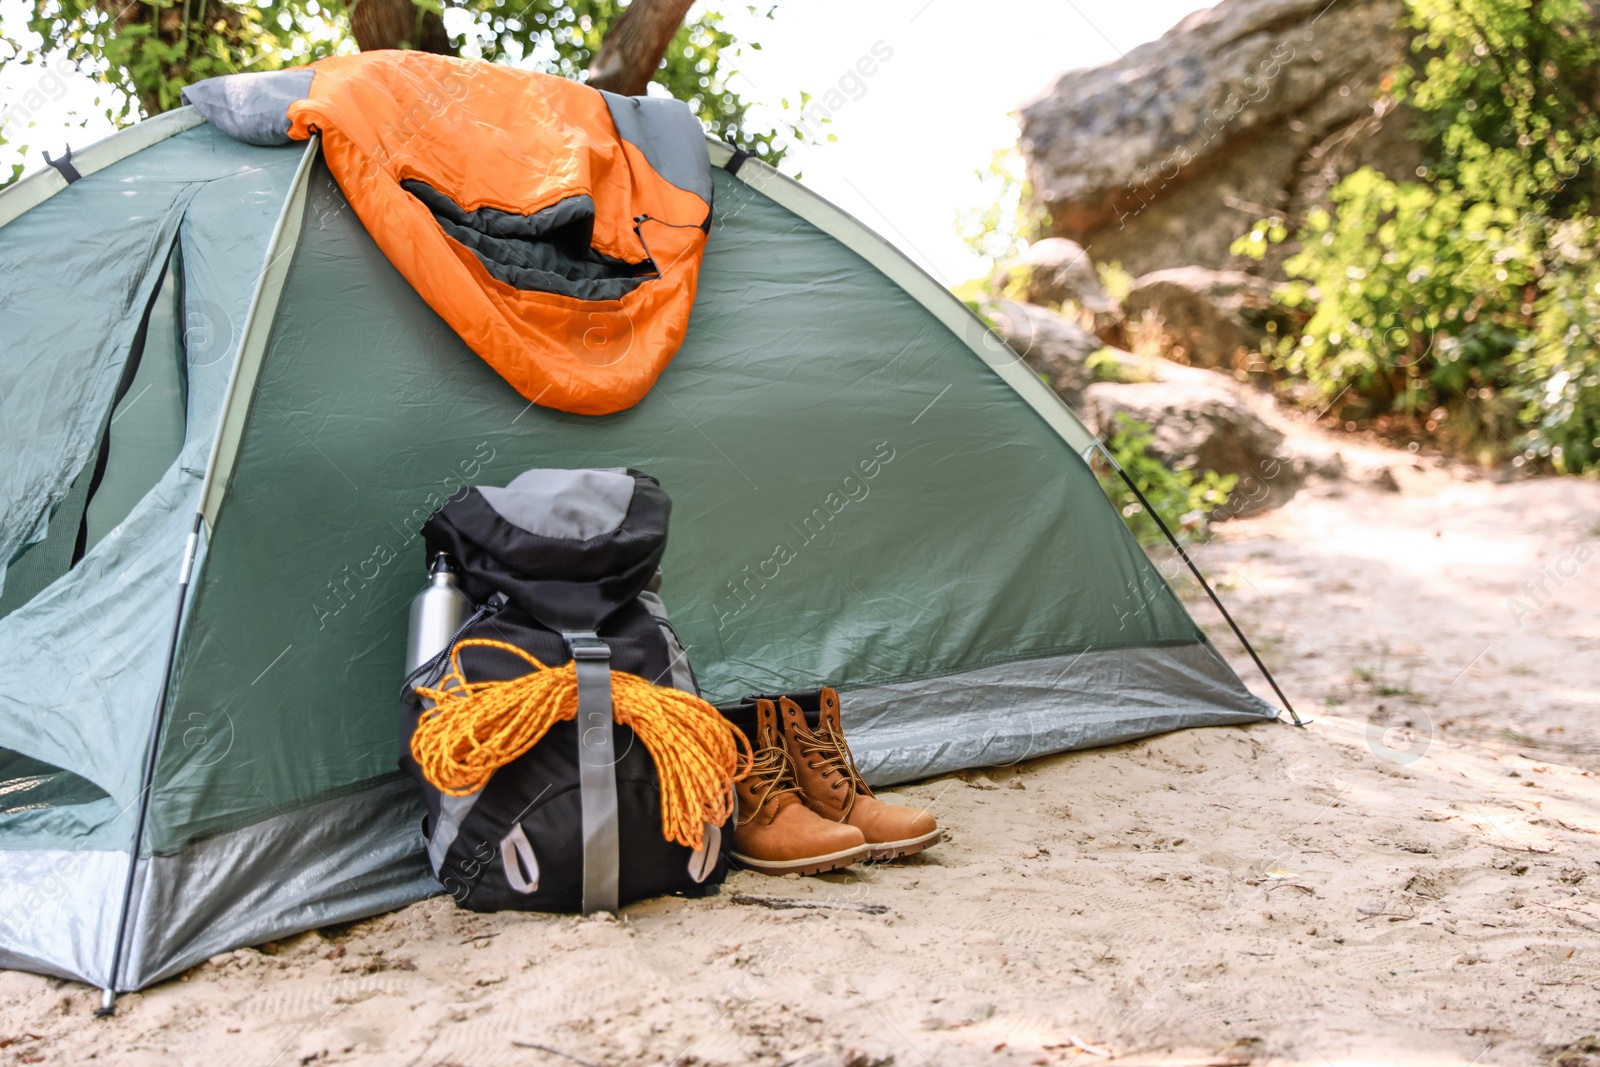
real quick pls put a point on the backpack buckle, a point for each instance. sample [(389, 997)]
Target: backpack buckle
[(587, 646)]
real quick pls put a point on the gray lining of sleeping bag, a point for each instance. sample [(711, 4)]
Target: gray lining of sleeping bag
[(669, 135), (548, 251), (252, 107)]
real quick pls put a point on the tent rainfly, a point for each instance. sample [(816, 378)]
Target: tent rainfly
[(226, 415)]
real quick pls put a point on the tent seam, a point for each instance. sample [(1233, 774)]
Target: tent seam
[(247, 335)]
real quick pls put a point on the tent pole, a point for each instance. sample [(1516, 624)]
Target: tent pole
[(108, 999), (1201, 578)]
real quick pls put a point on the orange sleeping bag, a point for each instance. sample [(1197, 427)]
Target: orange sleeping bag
[(556, 228)]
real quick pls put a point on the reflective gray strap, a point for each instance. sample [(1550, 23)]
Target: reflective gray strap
[(597, 773), (521, 866), (453, 811), (680, 676)]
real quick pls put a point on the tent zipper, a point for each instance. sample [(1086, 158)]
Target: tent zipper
[(638, 223)]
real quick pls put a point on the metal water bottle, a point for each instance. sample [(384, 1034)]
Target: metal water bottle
[(436, 614)]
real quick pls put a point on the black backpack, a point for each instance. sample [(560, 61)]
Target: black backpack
[(562, 564)]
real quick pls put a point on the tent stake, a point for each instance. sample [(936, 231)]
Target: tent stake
[(108, 999), (1195, 570)]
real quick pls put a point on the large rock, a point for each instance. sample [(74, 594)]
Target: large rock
[(1198, 426), (1049, 342), (1199, 419), (1252, 107), (1217, 317), (1055, 271)]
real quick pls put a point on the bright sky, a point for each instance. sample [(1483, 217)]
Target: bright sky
[(946, 77), (936, 112)]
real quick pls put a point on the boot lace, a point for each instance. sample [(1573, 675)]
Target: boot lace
[(832, 753), (772, 774)]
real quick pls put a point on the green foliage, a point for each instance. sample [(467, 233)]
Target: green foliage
[(695, 71), (147, 51), (1265, 233), (1117, 282), (1557, 378), (1009, 216), (1465, 304), (1409, 286), (1182, 498), (1502, 89), (1107, 365)]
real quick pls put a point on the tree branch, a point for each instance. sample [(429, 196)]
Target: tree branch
[(398, 24), (632, 49)]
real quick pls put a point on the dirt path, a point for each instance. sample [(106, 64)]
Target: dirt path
[(1414, 878)]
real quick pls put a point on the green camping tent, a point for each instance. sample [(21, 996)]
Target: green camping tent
[(221, 400)]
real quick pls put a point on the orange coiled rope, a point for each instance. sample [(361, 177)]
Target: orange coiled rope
[(475, 728)]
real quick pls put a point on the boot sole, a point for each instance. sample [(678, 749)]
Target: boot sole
[(808, 865), (893, 850)]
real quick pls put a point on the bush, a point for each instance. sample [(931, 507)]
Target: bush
[(1557, 377), (1467, 304), (1183, 498), (1413, 294)]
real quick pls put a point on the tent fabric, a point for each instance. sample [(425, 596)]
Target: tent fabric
[(352, 856), (145, 433), (997, 716), (103, 676), (983, 340), (866, 493), (58, 914), (779, 574), (36, 188), (556, 228), (55, 394)]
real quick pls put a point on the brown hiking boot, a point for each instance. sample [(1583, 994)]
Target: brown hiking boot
[(775, 833), (831, 786)]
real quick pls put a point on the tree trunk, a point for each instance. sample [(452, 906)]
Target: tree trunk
[(398, 24), (632, 49)]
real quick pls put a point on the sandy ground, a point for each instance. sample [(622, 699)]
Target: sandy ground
[(1414, 878)]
